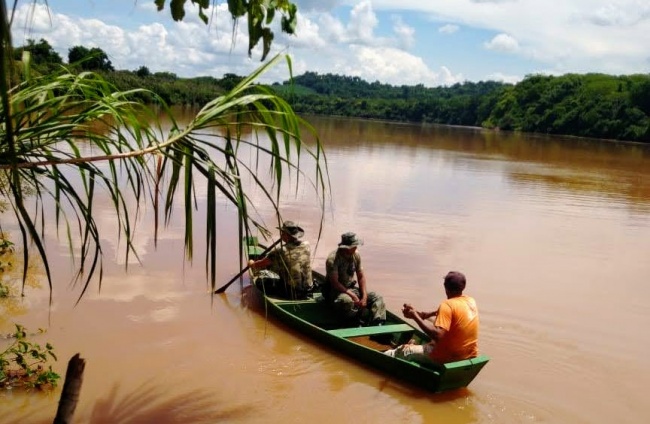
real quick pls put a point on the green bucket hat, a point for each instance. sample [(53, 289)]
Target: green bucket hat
[(349, 240), (292, 229)]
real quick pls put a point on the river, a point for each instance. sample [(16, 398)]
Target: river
[(552, 233)]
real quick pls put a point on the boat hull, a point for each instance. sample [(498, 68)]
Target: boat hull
[(315, 318)]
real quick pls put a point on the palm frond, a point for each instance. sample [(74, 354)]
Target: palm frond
[(69, 136)]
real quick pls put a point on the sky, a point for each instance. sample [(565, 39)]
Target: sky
[(399, 42)]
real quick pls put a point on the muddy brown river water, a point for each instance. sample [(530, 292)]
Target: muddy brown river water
[(552, 233)]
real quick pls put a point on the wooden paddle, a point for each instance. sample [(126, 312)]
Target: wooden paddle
[(225, 286)]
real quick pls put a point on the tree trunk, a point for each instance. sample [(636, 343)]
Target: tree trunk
[(71, 390)]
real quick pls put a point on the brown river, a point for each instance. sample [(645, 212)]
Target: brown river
[(552, 233)]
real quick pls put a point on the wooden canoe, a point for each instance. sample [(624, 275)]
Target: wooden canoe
[(315, 318)]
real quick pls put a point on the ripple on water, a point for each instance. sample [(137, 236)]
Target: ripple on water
[(296, 363), (164, 314), (545, 375)]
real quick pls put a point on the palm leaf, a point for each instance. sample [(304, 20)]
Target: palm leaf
[(54, 125)]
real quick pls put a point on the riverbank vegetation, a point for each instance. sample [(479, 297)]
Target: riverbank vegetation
[(586, 105), (25, 364), (589, 105)]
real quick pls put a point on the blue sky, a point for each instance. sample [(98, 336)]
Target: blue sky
[(429, 42)]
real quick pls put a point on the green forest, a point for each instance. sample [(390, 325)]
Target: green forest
[(585, 105)]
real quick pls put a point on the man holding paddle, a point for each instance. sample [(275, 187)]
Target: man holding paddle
[(291, 261)]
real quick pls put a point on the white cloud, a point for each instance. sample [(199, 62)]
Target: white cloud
[(492, 1), (308, 34), (448, 29), (188, 48), (393, 66), (619, 15), (498, 76), (317, 5), (332, 29), (405, 33), (567, 35), (502, 43), (448, 78), (362, 23)]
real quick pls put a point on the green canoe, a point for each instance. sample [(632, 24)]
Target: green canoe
[(315, 318)]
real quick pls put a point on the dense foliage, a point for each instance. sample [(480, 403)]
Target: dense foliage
[(25, 364), (93, 59), (589, 105), (460, 104), (41, 54)]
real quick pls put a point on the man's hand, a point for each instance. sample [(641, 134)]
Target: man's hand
[(363, 302), (354, 297), (409, 311)]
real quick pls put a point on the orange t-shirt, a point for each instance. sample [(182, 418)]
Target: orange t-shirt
[(459, 316)]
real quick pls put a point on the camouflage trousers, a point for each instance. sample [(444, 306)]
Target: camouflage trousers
[(373, 313), (272, 285)]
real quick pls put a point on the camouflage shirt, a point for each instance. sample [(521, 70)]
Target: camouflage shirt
[(345, 266), (292, 262)]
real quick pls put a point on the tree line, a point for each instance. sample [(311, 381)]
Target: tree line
[(167, 86), (588, 105)]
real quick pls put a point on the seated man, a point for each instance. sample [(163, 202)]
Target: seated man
[(454, 333), (291, 262), (355, 304)]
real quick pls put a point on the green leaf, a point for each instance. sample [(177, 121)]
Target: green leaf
[(237, 8), (267, 35), (270, 14), (178, 9), (203, 16), (20, 360), (289, 24)]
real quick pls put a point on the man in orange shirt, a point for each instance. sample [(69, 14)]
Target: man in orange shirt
[(454, 333)]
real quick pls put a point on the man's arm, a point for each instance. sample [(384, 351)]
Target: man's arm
[(436, 333), (336, 285), (260, 264), (423, 315), (361, 279), (427, 315)]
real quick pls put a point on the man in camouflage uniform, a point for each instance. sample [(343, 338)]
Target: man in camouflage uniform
[(344, 271), (291, 262)]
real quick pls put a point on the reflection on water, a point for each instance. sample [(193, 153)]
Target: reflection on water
[(552, 233)]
